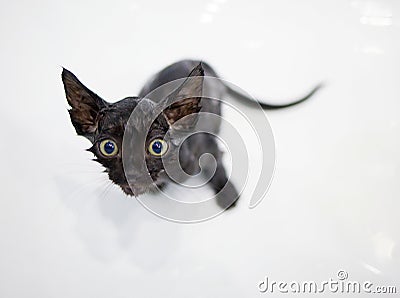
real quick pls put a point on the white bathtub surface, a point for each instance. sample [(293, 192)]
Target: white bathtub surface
[(335, 199)]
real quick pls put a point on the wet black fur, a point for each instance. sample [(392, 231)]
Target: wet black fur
[(96, 119)]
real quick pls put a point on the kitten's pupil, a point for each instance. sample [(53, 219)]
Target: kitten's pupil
[(109, 147), (157, 147)]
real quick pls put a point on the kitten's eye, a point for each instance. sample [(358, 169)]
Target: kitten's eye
[(108, 148), (158, 147)]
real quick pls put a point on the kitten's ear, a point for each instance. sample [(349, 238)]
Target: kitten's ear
[(189, 97), (85, 105)]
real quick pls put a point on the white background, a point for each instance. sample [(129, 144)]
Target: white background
[(334, 201)]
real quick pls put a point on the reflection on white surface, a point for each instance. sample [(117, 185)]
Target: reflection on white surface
[(332, 205), (206, 18), (370, 50), (212, 7), (211, 10), (383, 246), (372, 269), (376, 20), (374, 13)]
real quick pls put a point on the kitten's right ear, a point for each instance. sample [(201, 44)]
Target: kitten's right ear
[(85, 105), (187, 100)]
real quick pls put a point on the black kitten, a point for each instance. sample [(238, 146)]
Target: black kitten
[(104, 124)]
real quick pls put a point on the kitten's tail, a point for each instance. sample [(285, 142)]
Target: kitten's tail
[(268, 106)]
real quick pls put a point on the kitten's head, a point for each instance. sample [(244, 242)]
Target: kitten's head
[(104, 124)]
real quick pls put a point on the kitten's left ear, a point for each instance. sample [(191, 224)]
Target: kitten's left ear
[(85, 105), (189, 97)]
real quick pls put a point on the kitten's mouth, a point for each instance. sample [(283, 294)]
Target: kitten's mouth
[(136, 192), (127, 190)]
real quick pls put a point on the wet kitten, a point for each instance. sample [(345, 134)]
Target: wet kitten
[(104, 124)]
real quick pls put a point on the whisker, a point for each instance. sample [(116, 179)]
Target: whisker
[(106, 190)]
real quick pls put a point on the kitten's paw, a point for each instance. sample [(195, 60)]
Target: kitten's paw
[(227, 197)]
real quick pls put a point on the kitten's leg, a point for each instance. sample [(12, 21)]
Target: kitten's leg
[(226, 193)]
